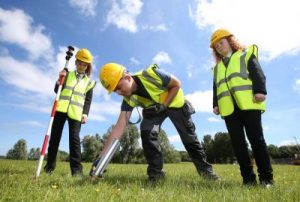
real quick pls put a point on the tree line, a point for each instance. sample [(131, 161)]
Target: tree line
[(218, 149)]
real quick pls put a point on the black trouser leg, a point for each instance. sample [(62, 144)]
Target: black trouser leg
[(236, 130), (74, 144), (186, 129), (254, 131), (56, 132), (150, 128)]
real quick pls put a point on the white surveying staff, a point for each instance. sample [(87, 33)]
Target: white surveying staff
[(47, 136)]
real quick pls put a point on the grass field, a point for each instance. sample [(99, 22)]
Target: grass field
[(129, 183)]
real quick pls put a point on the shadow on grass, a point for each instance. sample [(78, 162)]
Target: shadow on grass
[(182, 181)]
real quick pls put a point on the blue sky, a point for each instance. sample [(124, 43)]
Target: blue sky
[(173, 33)]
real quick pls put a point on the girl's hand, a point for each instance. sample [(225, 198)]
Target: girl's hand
[(84, 119), (62, 73), (216, 110), (259, 97)]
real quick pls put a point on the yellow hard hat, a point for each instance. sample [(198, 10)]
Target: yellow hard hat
[(217, 35), (110, 75), (84, 55)]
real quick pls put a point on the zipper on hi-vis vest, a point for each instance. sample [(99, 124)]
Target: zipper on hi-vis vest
[(72, 94), (226, 79)]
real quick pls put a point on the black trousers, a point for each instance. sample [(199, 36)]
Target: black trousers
[(249, 122), (183, 122), (74, 142)]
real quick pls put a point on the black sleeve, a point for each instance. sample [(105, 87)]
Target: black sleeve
[(257, 76), (56, 85), (126, 107), (215, 100), (164, 76), (87, 102)]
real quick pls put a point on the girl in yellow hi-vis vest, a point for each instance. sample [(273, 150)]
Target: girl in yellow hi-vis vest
[(239, 94), (73, 105)]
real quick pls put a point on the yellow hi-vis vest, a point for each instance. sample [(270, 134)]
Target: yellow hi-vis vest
[(233, 82), (72, 97), (153, 85)]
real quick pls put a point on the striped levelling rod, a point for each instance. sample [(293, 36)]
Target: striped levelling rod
[(47, 136)]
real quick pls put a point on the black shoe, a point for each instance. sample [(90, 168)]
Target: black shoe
[(267, 183), (48, 170), (77, 174), (157, 177), (209, 175), (250, 180)]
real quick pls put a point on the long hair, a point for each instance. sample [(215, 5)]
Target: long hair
[(88, 70), (234, 44)]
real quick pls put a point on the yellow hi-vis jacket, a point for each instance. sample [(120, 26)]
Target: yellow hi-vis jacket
[(233, 82), (153, 85), (72, 97)]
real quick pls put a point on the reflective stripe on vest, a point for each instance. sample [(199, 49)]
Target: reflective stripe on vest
[(72, 98), (153, 85), (234, 82)]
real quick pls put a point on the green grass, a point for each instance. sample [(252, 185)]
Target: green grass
[(129, 183)]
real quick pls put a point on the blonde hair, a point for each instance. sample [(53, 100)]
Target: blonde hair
[(234, 44)]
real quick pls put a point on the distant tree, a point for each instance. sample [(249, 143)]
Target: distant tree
[(19, 151), (63, 156), (223, 148), (208, 145), (139, 156), (168, 150), (185, 156), (129, 144), (92, 145), (34, 153), (287, 151), (273, 151), (130, 152)]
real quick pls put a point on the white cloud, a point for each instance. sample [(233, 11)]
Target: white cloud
[(86, 7), (287, 142), (26, 76), (134, 61), (44, 105), (266, 127), (35, 85), (162, 57), (264, 23), (16, 28), (100, 110), (213, 119), (174, 139), (156, 28), (31, 78), (33, 123), (202, 101), (124, 15), (189, 70), (297, 86)]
